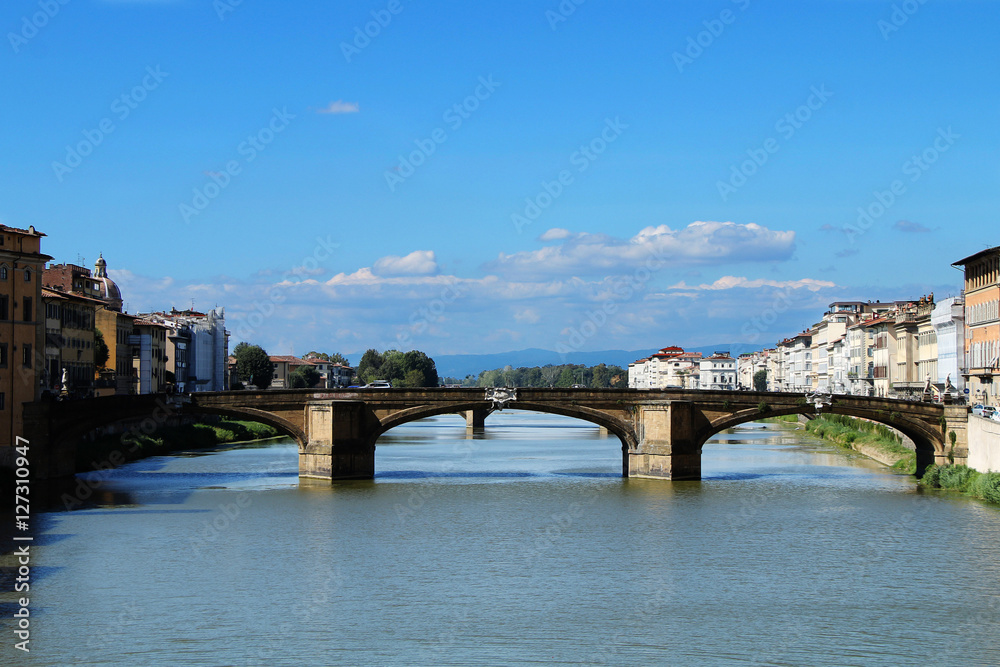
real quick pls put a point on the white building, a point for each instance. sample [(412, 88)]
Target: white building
[(671, 367), (198, 348), (948, 319), (838, 356), (717, 372)]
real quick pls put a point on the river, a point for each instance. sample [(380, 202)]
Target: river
[(522, 545)]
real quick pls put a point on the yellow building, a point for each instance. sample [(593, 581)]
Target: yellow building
[(117, 331), (69, 343), (22, 336), (982, 324)]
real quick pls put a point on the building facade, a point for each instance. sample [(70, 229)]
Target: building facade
[(948, 320), (671, 367), (197, 348), (22, 331), (717, 371), (70, 343), (982, 324), (149, 355)]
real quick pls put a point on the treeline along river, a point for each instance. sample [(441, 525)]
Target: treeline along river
[(519, 545)]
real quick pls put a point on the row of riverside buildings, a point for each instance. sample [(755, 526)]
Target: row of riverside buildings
[(50, 316), (673, 368), (896, 349)]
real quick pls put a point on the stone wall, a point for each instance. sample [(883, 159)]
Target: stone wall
[(984, 444)]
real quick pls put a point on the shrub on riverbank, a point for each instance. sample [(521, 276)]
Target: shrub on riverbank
[(781, 418), (166, 439), (981, 485), (854, 433)]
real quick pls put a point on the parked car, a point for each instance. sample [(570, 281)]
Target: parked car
[(977, 409), (379, 384), (995, 416), (989, 411)]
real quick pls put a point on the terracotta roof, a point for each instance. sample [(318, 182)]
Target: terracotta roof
[(31, 232), (981, 253), (49, 293), (140, 322), (286, 359)]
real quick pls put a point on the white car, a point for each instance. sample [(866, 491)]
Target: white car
[(379, 384)]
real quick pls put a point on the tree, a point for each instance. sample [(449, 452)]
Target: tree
[(760, 380), (101, 352), (304, 377), (253, 365), (368, 367), (335, 358), (412, 378), (567, 378)]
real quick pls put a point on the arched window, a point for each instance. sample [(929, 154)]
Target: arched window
[(27, 275), (3, 272)]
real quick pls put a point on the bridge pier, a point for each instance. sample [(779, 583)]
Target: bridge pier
[(339, 443), (956, 419), (667, 446), (475, 419)]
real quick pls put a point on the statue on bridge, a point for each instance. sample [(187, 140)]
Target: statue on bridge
[(500, 396)]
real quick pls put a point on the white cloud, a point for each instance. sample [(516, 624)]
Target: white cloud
[(555, 234), (340, 106), (527, 316), (698, 243), (417, 263)]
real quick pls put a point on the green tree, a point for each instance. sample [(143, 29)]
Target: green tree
[(412, 378), (253, 365), (304, 377), (368, 367), (101, 352), (567, 377), (760, 380)]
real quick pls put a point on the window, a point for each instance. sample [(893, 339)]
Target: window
[(26, 313), (4, 307), (27, 355), (27, 275), (3, 273), (3, 355), (3, 402)]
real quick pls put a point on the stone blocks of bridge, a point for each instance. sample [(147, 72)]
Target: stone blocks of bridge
[(667, 446), (476, 419), (339, 442)]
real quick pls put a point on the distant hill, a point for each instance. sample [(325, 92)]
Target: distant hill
[(460, 365)]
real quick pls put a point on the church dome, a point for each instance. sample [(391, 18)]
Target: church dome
[(109, 290)]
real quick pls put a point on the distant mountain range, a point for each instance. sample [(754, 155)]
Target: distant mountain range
[(460, 365)]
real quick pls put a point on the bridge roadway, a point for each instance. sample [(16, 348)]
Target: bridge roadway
[(662, 431)]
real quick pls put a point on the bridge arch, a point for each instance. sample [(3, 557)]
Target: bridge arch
[(616, 426), (928, 441), (75, 420)]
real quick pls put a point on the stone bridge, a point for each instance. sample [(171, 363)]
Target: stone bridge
[(662, 431)]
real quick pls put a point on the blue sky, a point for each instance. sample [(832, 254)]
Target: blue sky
[(485, 177)]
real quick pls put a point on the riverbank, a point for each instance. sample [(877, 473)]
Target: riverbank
[(981, 485), (116, 449), (873, 440)]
